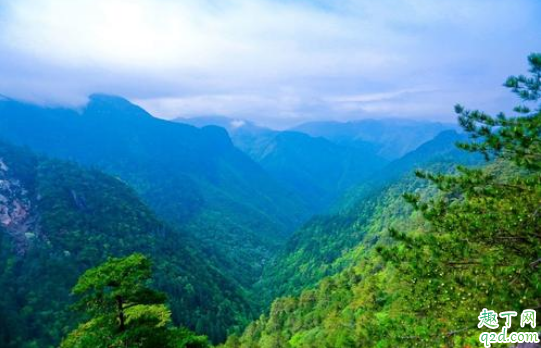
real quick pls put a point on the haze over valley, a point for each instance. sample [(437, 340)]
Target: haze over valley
[(269, 174)]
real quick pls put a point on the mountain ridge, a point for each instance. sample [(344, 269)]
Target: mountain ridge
[(57, 219), (393, 138), (191, 177), (331, 242), (317, 169)]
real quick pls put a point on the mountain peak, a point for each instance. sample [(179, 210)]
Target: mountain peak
[(108, 99), (111, 105)]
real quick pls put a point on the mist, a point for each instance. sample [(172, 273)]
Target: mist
[(272, 62)]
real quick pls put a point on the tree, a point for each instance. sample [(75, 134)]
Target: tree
[(124, 311), (482, 246)]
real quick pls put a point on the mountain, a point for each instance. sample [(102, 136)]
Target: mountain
[(392, 138), (330, 243), (57, 219), (330, 287), (316, 169), (247, 136), (421, 266), (228, 123), (194, 178), (440, 150)]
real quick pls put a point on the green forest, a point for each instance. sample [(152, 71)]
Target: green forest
[(118, 229), (469, 238)]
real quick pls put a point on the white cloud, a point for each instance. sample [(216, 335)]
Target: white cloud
[(262, 58), (237, 123)]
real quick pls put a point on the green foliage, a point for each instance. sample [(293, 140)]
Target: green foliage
[(124, 311), (76, 220), (228, 207), (484, 235), (317, 169), (477, 247), (377, 272), (330, 243), (515, 139)]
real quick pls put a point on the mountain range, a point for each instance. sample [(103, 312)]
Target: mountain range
[(58, 219), (234, 215), (320, 161), (391, 138), (194, 178), (329, 243)]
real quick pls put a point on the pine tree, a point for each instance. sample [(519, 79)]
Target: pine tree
[(124, 311), (482, 247)]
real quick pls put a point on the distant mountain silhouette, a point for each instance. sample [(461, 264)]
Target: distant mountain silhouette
[(392, 137), (193, 177), (317, 169)]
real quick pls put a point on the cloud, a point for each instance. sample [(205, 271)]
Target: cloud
[(237, 123), (267, 59), (376, 97)]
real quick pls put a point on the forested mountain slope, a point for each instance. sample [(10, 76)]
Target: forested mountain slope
[(441, 149), (58, 219), (318, 170), (403, 285), (192, 177), (437, 253), (329, 243)]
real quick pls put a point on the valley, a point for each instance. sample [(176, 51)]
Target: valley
[(221, 211), (325, 235)]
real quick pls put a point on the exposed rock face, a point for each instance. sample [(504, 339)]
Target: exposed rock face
[(15, 209)]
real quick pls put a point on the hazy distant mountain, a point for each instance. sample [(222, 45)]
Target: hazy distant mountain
[(193, 177), (315, 168), (440, 151), (323, 245), (393, 138), (247, 136), (57, 219), (228, 123)]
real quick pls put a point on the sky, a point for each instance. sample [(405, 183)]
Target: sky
[(274, 62)]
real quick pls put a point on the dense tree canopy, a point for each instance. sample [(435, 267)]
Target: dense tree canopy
[(382, 268), (477, 246), (71, 219), (124, 311), (482, 247)]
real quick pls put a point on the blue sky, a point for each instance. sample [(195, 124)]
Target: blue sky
[(273, 62)]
